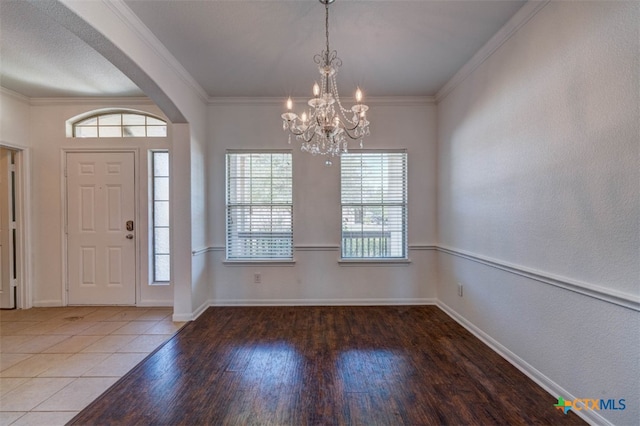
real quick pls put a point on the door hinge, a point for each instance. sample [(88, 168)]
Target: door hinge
[(13, 225), (12, 168), (14, 283)]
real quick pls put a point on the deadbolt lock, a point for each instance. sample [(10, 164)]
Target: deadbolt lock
[(129, 225)]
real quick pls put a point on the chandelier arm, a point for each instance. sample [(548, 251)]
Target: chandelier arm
[(293, 131)]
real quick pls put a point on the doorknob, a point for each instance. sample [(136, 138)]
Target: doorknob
[(129, 236)]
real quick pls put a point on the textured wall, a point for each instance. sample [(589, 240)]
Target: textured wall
[(538, 169), (14, 119), (317, 276)]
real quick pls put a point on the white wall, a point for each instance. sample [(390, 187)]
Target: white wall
[(14, 119), (538, 193), (316, 276), (48, 137)]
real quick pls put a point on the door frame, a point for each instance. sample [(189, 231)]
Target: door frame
[(23, 215), (63, 225)]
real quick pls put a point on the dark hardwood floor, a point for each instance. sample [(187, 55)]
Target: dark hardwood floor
[(324, 365)]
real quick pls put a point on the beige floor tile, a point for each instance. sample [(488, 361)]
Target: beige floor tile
[(76, 365), (35, 365), (43, 327), (109, 344), (9, 384), (135, 327), (31, 393), (77, 394), (9, 328), (116, 365), (8, 417), (127, 315), (103, 328), (165, 327), (10, 344), (155, 314), (101, 314), (73, 327), (72, 345), (145, 343), (37, 344), (42, 418), (9, 360)]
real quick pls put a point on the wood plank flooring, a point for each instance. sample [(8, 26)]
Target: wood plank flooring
[(394, 365)]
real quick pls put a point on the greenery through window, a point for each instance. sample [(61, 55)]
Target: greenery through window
[(374, 205), (120, 124), (259, 206)]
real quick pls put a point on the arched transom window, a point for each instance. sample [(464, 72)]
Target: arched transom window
[(120, 124)]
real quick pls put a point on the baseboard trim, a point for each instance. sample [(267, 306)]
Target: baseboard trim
[(321, 302), (527, 369), (47, 303)]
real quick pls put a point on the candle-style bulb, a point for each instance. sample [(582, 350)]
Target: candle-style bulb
[(316, 89), (289, 104), (304, 117), (358, 95)]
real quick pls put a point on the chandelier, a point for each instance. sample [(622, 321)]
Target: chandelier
[(326, 127)]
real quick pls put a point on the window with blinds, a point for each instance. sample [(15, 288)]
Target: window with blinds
[(259, 206), (374, 205)]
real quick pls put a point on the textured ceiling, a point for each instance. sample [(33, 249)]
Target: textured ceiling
[(261, 48), (40, 58)]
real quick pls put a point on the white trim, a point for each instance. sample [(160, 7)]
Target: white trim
[(280, 101), (192, 316), (527, 369), (378, 261), (423, 247), (322, 302), (625, 300), (15, 95), (152, 303), (106, 101), (23, 211), (520, 18), (135, 24), (136, 191), (51, 303)]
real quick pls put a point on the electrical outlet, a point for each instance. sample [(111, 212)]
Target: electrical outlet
[(257, 278), (459, 289)]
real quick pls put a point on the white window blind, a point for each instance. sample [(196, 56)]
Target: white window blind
[(374, 205), (259, 206)]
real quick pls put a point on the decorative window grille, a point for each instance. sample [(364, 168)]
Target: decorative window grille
[(118, 125), (374, 204), (259, 206)]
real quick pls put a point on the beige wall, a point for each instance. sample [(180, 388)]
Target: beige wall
[(317, 277), (538, 201)]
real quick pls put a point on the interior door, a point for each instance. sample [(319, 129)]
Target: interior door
[(101, 252), (7, 295)]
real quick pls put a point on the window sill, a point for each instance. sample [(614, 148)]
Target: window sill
[(264, 262), (373, 262)]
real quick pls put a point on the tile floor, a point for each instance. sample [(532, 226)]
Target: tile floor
[(55, 361)]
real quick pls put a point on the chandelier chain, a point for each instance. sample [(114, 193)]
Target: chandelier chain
[(327, 126)]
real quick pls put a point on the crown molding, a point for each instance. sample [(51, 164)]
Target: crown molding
[(131, 20), (106, 101), (521, 17), (14, 95), (280, 101)]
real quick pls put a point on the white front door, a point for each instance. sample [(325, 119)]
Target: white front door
[(101, 251)]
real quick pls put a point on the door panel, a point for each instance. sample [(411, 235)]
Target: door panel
[(100, 251)]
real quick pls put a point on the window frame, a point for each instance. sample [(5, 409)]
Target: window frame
[(239, 260), (78, 124), (152, 216), (404, 214)]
